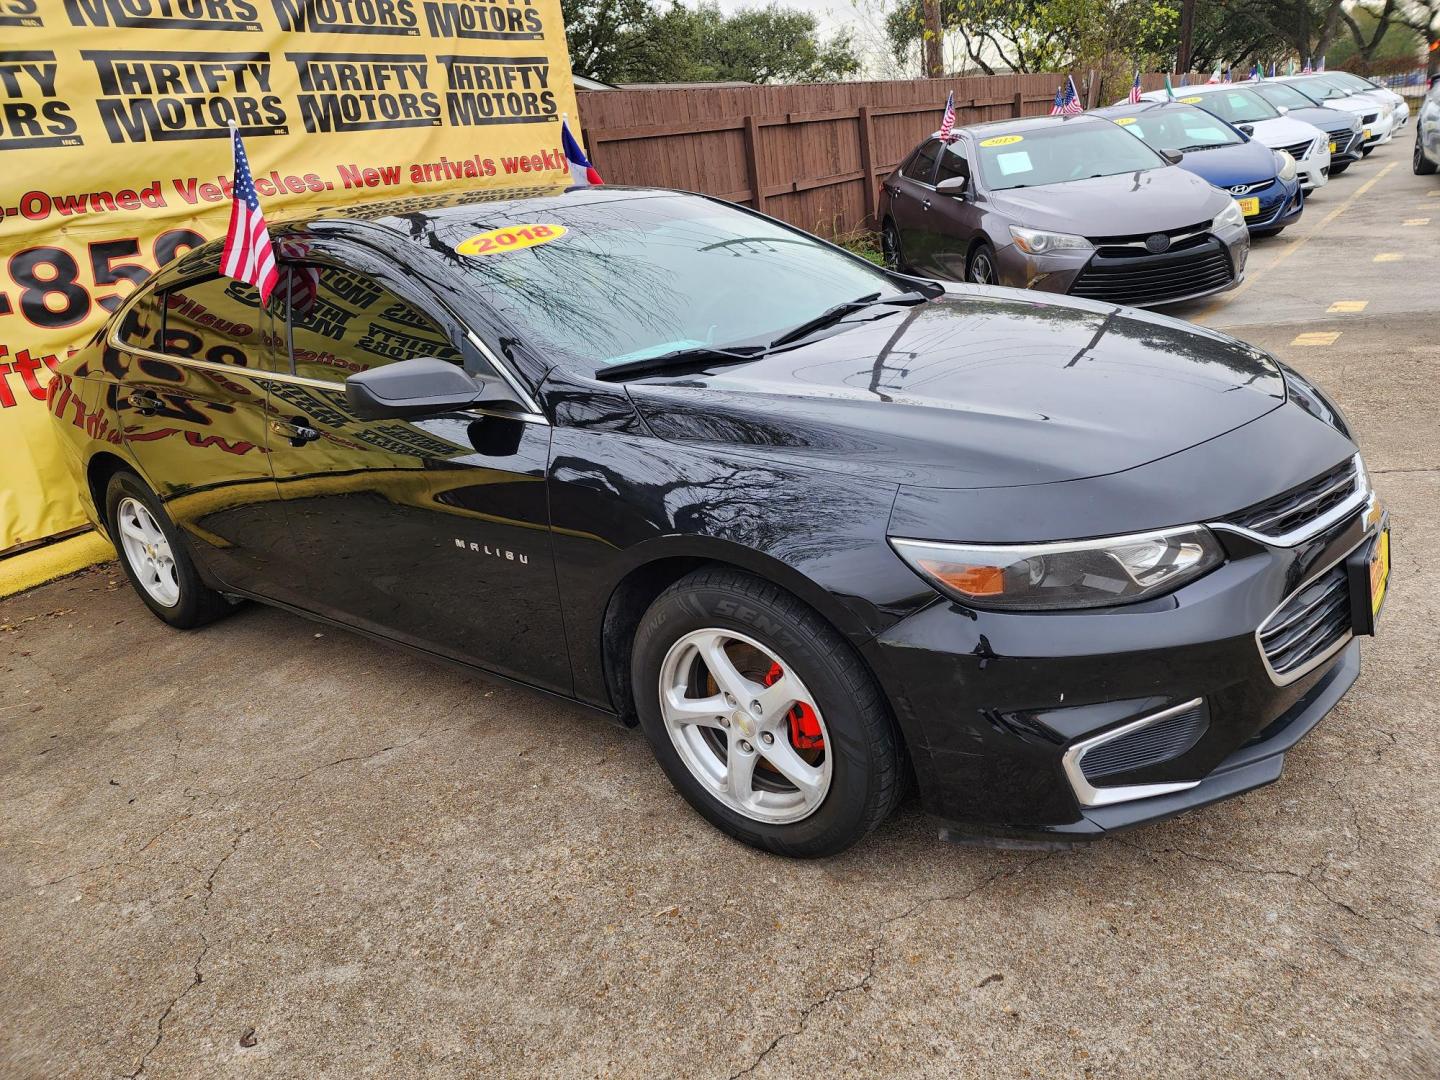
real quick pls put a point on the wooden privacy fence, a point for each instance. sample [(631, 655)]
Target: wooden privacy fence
[(812, 155)]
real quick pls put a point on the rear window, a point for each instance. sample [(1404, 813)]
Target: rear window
[(141, 326), (922, 166)]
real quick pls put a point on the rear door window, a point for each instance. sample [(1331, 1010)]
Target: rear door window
[(218, 320), (921, 167)]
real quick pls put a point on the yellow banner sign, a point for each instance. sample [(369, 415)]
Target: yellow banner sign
[(115, 152)]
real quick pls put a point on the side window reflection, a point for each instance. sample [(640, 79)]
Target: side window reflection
[(341, 322)]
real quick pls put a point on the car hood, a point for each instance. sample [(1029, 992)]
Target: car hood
[(1282, 131), (1326, 119), (1121, 205), (1242, 163), (981, 388)]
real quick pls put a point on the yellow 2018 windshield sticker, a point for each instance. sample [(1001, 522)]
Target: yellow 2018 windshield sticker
[(510, 238), (1125, 120), (1192, 100), (1002, 140)]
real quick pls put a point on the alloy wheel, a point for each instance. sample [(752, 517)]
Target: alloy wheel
[(981, 270), (147, 550), (745, 726)]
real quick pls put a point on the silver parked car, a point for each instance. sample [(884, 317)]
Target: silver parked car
[(1427, 132)]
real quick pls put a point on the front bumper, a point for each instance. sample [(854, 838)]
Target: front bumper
[(1280, 205), (1000, 698), (1075, 273)]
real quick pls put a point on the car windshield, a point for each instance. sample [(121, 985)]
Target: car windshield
[(1324, 89), (1237, 106), (1353, 82), (1179, 128), (1054, 155), (1279, 94), (612, 281)]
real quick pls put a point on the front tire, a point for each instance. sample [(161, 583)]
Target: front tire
[(763, 717), (1338, 170), (890, 247), (1422, 165), (981, 269), (155, 557)]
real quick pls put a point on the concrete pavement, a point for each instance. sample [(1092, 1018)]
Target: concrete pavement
[(273, 849)]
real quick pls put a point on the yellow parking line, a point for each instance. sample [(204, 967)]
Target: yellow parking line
[(1317, 337), (1346, 307), (1254, 275), (1417, 221), (1389, 256)]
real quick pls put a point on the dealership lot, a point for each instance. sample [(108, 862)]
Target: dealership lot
[(275, 848)]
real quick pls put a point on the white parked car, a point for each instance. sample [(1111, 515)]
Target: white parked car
[(1399, 107), (1375, 114), (1252, 114), (1427, 132)]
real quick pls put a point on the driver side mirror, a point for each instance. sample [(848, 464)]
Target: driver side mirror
[(954, 185), (1174, 157), (424, 386), (1282, 109), (1246, 129)]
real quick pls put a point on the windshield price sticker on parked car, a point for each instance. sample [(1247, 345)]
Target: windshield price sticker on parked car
[(1192, 100), (510, 238), (1124, 120), (1002, 140)]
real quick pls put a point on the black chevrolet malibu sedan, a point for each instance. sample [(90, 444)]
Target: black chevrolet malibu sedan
[(822, 530)]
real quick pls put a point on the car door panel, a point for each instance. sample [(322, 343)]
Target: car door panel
[(193, 416), (433, 531)]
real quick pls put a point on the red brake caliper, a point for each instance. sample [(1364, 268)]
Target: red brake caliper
[(804, 724)]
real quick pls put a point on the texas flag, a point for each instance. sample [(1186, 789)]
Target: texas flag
[(582, 173)]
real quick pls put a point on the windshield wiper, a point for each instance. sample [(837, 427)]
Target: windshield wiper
[(699, 356), (1202, 146), (831, 316), (703, 356)]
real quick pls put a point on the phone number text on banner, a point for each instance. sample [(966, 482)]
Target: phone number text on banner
[(115, 152)]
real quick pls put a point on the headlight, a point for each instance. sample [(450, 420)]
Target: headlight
[(1356, 124), (1231, 215), (1078, 574), (1036, 242), (1285, 165)]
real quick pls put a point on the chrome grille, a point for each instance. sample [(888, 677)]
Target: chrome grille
[(1299, 149), (1305, 508), (1308, 627), (1158, 742)]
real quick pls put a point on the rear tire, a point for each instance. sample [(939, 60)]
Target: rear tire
[(155, 556), (1422, 165), (781, 658)]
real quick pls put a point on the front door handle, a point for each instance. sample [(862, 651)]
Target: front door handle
[(296, 430), (144, 403), (925, 204)]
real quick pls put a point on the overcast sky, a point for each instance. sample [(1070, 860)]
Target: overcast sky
[(864, 18)]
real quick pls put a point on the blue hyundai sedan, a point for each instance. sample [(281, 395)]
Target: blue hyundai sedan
[(1263, 181)]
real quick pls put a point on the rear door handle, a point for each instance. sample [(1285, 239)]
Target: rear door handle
[(145, 404), (297, 431)]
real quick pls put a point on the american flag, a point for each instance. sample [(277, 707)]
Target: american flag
[(1135, 89), (1307, 69), (947, 122), (1067, 99), (1214, 78), (1322, 63), (248, 255)]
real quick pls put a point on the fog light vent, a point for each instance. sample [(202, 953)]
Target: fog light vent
[(1169, 736)]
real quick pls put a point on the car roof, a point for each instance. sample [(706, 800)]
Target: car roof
[(1126, 109), (1025, 123), (475, 209)]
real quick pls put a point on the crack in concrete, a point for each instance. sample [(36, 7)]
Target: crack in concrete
[(872, 952), (1311, 878), (359, 757), (197, 977), (1415, 469)]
